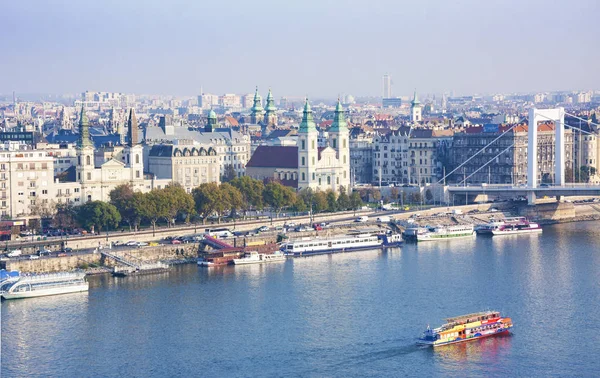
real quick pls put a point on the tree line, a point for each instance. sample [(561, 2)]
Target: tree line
[(233, 199)]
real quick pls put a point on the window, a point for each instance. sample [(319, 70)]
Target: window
[(313, 144), (89, 175), (334, 143), (44, 191), (137, 159), (88, 160), (303, 177), (303, 144), (328, 180), (303, 162), (137, 174)]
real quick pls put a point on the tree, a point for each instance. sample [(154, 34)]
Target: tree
[(178, 201), (300, 205), (153, 207), (343, 201), (45, 210), (394, 194), (428, 195), (278, 196), (331, 200), (98, 215), (376, 194), (586, 172), (319, 202), (207, 197), (251, 190), (66, 216), (231, 198), (228, 173), (355, 201), (128, 204)]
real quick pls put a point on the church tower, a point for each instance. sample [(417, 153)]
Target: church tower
[(415, 109), (270, 114), (307, 149), (256, 112), (339, 141), (133, 151), (85, 155), (211, 122)]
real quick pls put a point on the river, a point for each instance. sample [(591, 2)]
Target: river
[(353, 314)]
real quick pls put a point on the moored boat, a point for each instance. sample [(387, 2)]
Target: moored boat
[(467, 328), (347, 243), (445, 232), (140, 270), (254, 257), (43, 284), (509, 226)]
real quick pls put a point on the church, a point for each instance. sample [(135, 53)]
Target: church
[(307, 165)]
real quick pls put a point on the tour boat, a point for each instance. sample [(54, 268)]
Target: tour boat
[(509, 226), (347, 243), (445, 232), (259, 258), (43, 284), (466, 328)]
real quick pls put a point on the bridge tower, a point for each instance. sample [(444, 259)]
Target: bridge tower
[(536, 115)]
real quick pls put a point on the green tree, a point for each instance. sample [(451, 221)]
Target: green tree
[(278, 196), (232, 198), (428, 195), (394, 193), (65, 217), (128, 204), (300, 205), (207, 197), (98, 215), (319, 202), (331, 200), (154, 207), (228, 173), (251, 190), (355, 201), (343, 201), (179, 202)]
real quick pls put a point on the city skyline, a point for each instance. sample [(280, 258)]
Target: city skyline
[(307, 48)]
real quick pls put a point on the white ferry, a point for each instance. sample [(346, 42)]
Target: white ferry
[(446, 232), (43, 284), (509, 226), (259, 258), (348, 243)]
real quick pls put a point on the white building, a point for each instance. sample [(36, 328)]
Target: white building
[(328, 167)]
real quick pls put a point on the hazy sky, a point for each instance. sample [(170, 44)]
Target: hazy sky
[(314, 47)]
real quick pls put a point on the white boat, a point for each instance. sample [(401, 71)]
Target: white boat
[(259, 258), (509, 226), (44, 284), (348, 243), (202, 262), (446, 232)]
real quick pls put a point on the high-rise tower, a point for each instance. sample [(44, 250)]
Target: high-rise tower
[(387, 86)]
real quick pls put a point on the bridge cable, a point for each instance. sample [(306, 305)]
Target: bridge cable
[(489, 161)]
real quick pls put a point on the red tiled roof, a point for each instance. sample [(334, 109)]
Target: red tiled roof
[(232, 121), (274, 157)]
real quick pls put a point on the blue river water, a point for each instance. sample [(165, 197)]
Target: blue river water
[(353, 314)]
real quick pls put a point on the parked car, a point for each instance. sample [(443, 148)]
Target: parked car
[(119, 244), (62, 254), (131, 243), (34, 257), (325, 225), (141, 244), (175, 241), (362, 219), (290, 225), (317, 227), (301, 229), (263, 229), (153, 244), (44, 252), (493, 210), (14, 253), (67, 250)]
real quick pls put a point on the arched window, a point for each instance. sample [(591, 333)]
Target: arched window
[(88, 160), (303, 177), (334, 143), (303, 162), (303, 144), (137, 159), (344, 143), (312, 144), (344, 159)]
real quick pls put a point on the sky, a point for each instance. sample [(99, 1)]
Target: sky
[(299, 47)]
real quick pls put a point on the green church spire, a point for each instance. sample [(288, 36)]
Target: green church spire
[(308, 123), (256, 106), (415, 100), (84, 130), (270, 103), (339, 120)]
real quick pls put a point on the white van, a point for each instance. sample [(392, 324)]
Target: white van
[(384, 219), (14, 253), (362, 219), (220, 233)]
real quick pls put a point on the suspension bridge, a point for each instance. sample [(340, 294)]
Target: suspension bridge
[(533, 189)]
